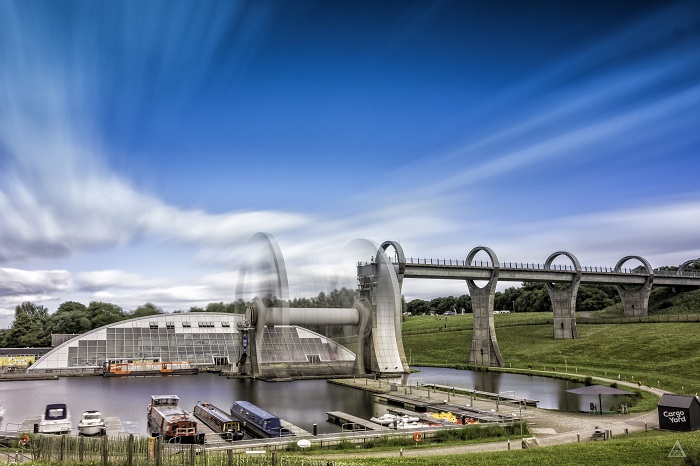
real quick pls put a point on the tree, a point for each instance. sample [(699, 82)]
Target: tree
[(148, 309), (29, 327), (102, 314), (216, 307), (418, 307)]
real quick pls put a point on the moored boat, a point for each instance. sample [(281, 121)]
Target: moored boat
[(123, 368), (394, 420), (258, 421), (166, 419), (54, 420), (218, 420), (91, 423)]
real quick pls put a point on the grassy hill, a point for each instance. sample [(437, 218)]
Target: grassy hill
[(664, 355), (665, 301)]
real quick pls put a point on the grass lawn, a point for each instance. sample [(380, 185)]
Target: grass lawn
[(664, 355), (649, 448)]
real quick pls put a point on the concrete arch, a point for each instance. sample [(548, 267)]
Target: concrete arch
[(685, 264), (484, 350), (268, 256), (564, 301), (621, 262), (636, 302), (572, 258), (400, 255), (496, 266)]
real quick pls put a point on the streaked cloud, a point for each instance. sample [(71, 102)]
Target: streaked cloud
[(604, 128)]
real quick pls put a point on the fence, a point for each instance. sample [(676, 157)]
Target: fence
[(139, 451)]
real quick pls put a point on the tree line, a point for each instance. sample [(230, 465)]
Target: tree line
[(531, 297)]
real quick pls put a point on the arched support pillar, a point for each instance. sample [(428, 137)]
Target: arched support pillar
[(564, 300), (636, 302), (685, 265), (388, 356), (484, 350), (380, 292)]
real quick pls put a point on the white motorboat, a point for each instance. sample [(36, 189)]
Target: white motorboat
[(384, 419), (91, 423), (54, 420), (394, 419)]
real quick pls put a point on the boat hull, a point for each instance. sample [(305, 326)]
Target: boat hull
[(151, 373), (90, 431)]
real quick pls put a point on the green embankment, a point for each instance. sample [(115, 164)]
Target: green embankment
[(664, 355), (649, 448)]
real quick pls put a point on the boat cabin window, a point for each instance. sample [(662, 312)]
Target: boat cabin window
[(55, 413)]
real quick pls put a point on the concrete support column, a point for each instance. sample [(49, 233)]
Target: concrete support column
[(484, 350), (564, 300), (636, 302)]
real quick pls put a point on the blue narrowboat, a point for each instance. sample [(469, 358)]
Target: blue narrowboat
[(258, 421)]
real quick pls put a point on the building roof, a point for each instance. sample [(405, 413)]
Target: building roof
[(23, 351), (671, 400)]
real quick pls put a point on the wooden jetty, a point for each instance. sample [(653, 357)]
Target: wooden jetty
[(482, 394), (353, 422), (113, 426), (298, 431), (412, 402)]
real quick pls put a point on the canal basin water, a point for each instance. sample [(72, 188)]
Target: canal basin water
[(301, 402)]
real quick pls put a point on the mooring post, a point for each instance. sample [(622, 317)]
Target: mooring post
[(104, 451)]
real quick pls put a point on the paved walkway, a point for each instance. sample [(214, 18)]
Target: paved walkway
[(547, 426)]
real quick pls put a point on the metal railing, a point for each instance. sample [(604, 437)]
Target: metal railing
[(536, 267)]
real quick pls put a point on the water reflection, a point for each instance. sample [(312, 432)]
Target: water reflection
[(550, 392), (302, 402)]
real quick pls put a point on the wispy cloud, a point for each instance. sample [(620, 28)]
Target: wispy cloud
[(633, 95)]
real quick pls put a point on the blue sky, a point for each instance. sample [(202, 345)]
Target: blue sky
[(143, 143)]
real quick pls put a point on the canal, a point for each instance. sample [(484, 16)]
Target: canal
[(301, 402)]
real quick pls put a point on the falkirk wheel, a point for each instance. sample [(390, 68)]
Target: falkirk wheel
[(376, 314)]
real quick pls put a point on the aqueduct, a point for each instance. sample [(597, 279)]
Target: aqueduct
[(377, 310)]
